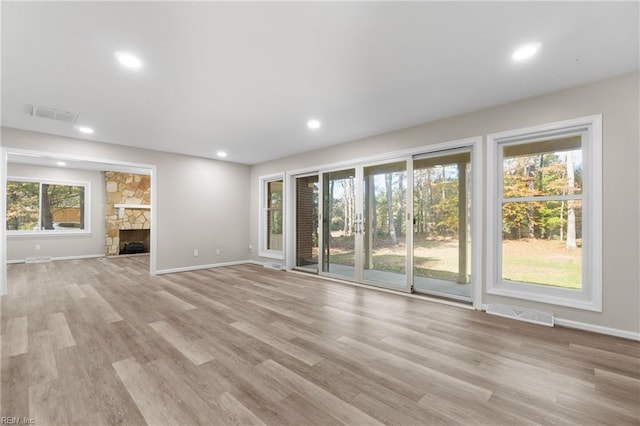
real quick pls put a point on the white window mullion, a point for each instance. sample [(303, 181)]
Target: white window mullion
[(39, 206), (541, 199)]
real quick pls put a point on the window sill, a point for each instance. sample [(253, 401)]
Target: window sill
[(20, 234)]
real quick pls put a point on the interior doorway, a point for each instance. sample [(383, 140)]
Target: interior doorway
[(42, 158)]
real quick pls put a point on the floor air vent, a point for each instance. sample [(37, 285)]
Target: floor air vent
[(41, 259), (274, 266), (528, 315)]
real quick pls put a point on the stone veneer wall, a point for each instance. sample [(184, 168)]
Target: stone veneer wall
[(125, 188)]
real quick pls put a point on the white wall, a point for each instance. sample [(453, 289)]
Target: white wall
[(201, 203), (617, 100), (20, 247)]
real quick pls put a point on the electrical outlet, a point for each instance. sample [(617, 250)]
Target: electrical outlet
[(37, 246), (250, 248), (218, 252), (195, 252)]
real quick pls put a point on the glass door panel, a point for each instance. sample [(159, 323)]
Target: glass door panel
[(307, 223), (339, 223), (385, 228), (442, 219)]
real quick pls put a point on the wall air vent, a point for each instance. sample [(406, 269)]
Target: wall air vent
[(51, 113), (274, 266), (41, 259), (528, 315)]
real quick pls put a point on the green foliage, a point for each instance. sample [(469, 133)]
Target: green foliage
[(543, 174), (436, 199), (22, 205), (436, 209)]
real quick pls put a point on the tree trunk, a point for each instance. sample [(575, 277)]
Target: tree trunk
[(47, 215), (374, 211), (571, 214), (392, 230), (444, 179), (352, 198), (561, 218), (400, 216), (82, 218), (345, 207), (531, 173), (418, 190), (428, 214)]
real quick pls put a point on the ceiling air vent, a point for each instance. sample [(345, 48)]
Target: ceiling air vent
[(52, 113)]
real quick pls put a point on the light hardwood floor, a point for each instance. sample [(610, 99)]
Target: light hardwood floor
[(100, 342)]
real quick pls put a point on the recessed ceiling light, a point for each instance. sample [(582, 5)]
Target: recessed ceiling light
[(221, 154), (313, 124), (128, 60), (526, 51), (61, 163), (84, 129)]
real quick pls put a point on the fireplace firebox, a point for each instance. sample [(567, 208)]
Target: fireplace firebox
[(135, 241)]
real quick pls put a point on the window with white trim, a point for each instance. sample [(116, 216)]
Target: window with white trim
[(38, 206), (272, 217), (545, 213)]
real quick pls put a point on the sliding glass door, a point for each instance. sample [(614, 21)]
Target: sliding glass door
[(340, 222), (403, 224), (364, 224), (442, 224), (384, 188)]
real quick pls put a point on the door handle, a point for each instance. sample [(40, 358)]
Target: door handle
[(358, 224)]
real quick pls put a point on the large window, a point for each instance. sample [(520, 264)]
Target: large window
[(46, 207), (271, 218), (547, 210)]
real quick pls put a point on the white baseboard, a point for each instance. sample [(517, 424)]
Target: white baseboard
[(198, 267), (592, 327), (598, 329), (84, 256)]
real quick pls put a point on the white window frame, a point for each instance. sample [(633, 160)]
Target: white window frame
[(589, 297), (54, 232), (263, 251)]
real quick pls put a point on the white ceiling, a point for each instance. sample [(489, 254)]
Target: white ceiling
[(245, 77)]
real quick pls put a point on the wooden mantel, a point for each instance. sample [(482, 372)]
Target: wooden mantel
[(122, 207)]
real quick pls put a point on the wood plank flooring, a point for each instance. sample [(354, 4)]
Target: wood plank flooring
[(99, 341)]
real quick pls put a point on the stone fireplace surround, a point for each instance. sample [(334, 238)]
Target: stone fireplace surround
[(126, 189)]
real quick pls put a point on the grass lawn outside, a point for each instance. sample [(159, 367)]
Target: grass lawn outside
[(544, 262)]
